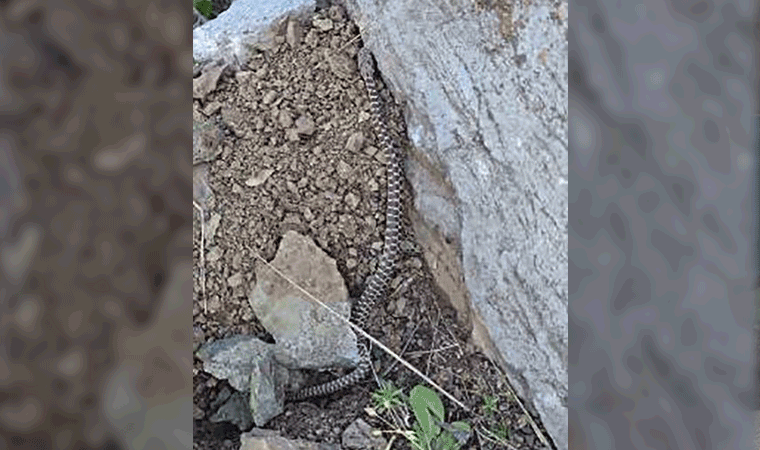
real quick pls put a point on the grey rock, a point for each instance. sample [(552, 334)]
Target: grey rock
[(198, 336), (269, 97), (233, 358), (322, 24), (305, 125), (358, 435), (495, 130), (207, 81), (214, 254), (202, 192), (341, 64), (246, 25), (352, 200), (236, 120), (355, 142), (343, 169), (211, 226), (307, 335), (370, 150), (259, 178), (235, 280), (336, 13), (252, 441), (234, 410), (293, 33), (250, 367), (267, 396), (285, 119), (207, 138)]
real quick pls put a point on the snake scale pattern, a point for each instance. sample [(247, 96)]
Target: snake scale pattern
[(377, 284)]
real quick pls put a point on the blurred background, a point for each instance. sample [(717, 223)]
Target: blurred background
[(95, 220), (663, 235)]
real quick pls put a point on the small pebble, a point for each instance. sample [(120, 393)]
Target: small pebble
[(286, 121), (214, 254), (259, 178), (352, 200), (305, 125), (322, 24), (336, 13), (355, 142), (294, 33), (269, 97), (235, 280), (344, 170)]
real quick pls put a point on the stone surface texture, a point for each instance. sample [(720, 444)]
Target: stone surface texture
[(307, 335), (487, 113), (247, 24)]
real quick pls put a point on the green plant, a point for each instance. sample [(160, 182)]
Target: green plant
[(387, 397), (490, 404), (430, 432), (203, 7), (502, 431)]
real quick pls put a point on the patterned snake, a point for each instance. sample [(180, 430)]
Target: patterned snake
[(377, 285)]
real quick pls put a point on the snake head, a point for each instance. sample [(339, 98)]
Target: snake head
[(366, 63)]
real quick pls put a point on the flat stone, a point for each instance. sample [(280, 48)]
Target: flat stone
[(322, 24), (352, 200), (307, 335), (355, 142), (259, 178), (236, 280), (305, 125), (359, 435)]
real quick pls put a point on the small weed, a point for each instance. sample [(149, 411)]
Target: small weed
[(432, 433), (502, 431), (490, 404), (429, 431), (387, 397)]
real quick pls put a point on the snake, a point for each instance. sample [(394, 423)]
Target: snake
[(377, 284)]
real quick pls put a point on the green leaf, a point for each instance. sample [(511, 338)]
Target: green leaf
[(203, 7), (427, 407), (417, 438), (462, 426)]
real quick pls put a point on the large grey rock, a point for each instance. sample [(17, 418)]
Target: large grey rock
[(249, 365), (487, 110), (230, 37), (359, 435)]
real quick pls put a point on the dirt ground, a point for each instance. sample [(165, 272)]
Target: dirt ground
[(295, 150)]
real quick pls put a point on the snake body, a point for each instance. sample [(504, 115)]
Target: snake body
[(377, 284)]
